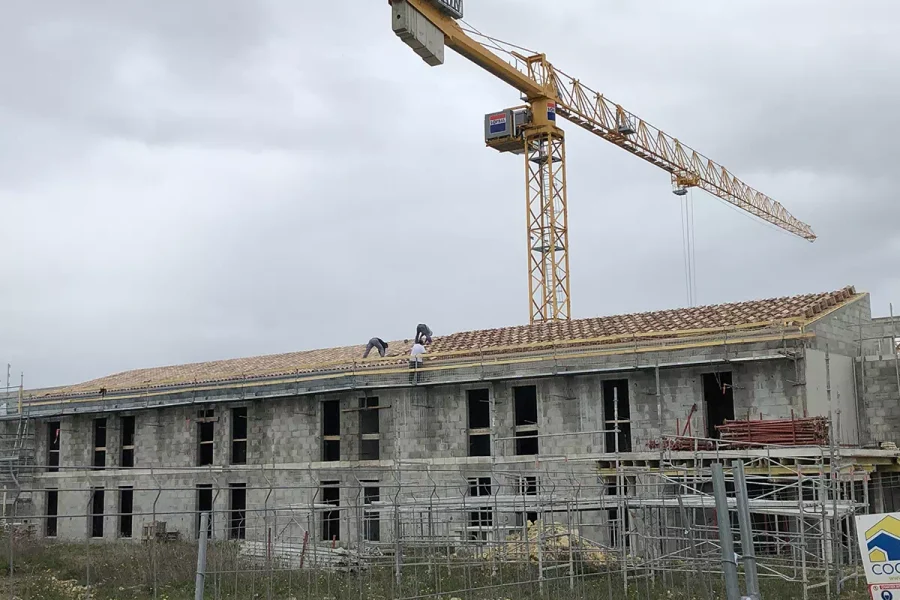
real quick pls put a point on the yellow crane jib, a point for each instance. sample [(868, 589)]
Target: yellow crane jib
[(427, 26)]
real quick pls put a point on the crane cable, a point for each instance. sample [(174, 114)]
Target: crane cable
[(684, 252), (688, 247), (693, 250), (494, 41)]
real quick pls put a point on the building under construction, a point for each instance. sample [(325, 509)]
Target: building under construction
[(604, 427)]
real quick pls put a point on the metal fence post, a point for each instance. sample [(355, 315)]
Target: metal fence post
[(729, 565), (743, 509), (201, 556)]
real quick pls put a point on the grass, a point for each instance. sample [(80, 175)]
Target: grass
[(134, 571)]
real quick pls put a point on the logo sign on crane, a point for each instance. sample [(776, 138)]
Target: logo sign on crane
[(551, 111), (879, 546), (497, 123), (454, 8)]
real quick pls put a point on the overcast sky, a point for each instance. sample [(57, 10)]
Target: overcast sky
[(185, 181)]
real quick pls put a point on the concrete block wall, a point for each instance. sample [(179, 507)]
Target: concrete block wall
[(411, 428), (433, 421), (173, 498), (877, 386), (871, 380), (569, 408), (286, 430), (415, 424), (766, 388), (840, 330), (769, 389), (679, 392), (168, 438), (830, 389), (883, 335)]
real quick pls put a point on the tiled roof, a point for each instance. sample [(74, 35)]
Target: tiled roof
[(663, 324), (664, 321)]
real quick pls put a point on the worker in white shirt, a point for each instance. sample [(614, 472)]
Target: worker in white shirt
[(415, 361)]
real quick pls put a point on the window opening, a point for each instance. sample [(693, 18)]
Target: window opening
[(206, 421), (618, 527), (331, 519), (369, 429), (371, 518), (526, 420), (97, 503), (99, 443), (479, 486), (204, 505), (479, 410), (239, 436), (479, 520), (237, 519), (127, 458), (617, 415), (331, 430), (126, 510), (53, 434), (522, 517), (718, 394), (52, 510), (527, 486)]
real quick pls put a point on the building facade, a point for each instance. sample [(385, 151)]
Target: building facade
[(496, 428)]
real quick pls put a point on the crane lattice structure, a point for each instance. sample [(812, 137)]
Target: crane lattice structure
[(532, 130)]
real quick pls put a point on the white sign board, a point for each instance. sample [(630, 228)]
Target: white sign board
[(879, 546)]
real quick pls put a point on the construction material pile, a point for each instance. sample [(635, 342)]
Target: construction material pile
[(810, 431), (681, 443), (554, 542), (297, 556)]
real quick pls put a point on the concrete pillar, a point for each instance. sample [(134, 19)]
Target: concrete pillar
[(877, 493)]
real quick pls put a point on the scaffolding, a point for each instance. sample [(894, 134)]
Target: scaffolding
[(593, 527)]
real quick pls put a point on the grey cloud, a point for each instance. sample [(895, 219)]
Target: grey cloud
[(230, 178)]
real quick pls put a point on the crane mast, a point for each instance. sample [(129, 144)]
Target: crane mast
[(427, 26)]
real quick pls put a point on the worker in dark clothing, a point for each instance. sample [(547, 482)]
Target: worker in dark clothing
[(423, 333), (377, 343)]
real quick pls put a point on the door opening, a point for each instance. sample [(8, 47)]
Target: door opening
[(718, 394)]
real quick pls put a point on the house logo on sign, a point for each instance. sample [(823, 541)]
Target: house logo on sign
[(879, 549), (883, 543)]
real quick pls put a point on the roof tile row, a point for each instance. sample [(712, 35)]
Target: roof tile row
[(665, 323)]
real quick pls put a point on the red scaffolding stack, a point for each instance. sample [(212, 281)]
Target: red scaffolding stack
[(808, 431)]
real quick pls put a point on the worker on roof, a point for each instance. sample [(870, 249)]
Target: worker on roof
[(377, 343), (415, 360), (423, 333)]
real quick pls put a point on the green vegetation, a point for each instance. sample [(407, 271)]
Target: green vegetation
[(132, 571)]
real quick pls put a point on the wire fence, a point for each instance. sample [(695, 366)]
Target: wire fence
[(531, 530)]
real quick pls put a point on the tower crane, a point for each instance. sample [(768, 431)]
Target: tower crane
[(427, 26)]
